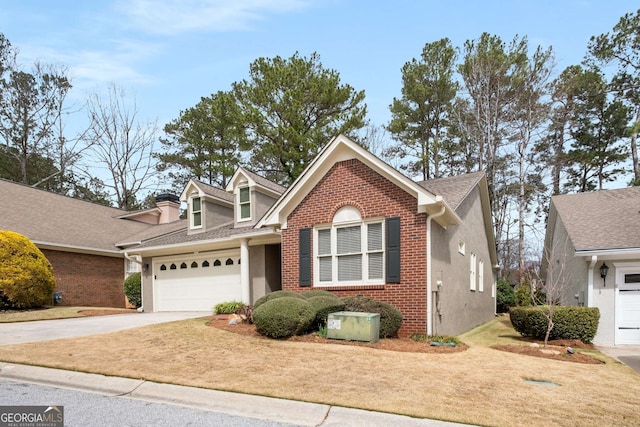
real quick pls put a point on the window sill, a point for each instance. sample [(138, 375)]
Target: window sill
[(379, 286)]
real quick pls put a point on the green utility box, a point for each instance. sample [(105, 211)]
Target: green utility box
[(353, 326)]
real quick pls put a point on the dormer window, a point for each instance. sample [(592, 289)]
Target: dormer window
[(196, 212), (245, 204)]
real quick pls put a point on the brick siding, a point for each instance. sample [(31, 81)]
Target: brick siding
[(88, 280), (352, 183)]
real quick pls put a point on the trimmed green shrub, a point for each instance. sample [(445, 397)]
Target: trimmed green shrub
[(323, 305), (283, 317), (523, 295), (317, 293), (276, 294), (390, 317), (505, 296), (133, 289), (229, 307), (569, 322), (26, 276)]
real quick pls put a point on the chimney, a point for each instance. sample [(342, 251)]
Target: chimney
[(169, 204)]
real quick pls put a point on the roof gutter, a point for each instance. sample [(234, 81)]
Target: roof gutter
[(429, 275)]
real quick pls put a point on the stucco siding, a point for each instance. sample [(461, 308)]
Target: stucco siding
[(457, 308)]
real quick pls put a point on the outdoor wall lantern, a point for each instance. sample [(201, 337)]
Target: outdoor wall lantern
[(604, 269), (145, 268)]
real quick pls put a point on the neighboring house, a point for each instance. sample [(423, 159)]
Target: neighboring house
[(350, 224), (78, 238), (590, 235)]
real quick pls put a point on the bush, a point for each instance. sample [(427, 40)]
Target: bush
[(283, 317), (317, 293), (230, 307), (506, 297), (274, 295), (26, 276), (323, 305), (390, 317), (570, 322), (523, 295), (132, 289)]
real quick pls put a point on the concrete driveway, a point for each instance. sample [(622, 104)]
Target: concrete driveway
[(627, 354), (43, 330)]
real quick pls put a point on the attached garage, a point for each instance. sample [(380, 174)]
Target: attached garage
[(196, 283), (628, 310)]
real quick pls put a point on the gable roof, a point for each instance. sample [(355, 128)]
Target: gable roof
[(205, 189), (56, 221), (600, 220), (454, 189), (255, 179), (339, 149)]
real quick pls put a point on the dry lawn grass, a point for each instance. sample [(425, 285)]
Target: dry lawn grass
[(57, 312), (477, 386)]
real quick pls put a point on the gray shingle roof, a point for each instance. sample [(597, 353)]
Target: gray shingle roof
[(216, 192), (265, 182), (607, 219), (180, 236), (453, 189), (51, 218)]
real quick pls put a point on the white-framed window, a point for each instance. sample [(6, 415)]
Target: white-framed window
[(244, 203), (481, 276), (132, 265), (349, 251), (196, 212), (472, 271)]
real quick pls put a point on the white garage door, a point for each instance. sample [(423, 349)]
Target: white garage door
[(196, 283), (628, 311)]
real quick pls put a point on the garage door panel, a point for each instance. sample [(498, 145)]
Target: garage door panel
[(628, 312), (196, 288)]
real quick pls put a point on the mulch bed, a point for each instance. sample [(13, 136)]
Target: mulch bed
[(560, 346), (403, 344)]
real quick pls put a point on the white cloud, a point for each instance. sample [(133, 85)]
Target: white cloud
[(179, 16)]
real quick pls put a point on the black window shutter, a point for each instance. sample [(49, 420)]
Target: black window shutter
[(305, 257), (392, 251)]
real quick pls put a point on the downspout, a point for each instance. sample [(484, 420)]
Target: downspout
[(429, 275), (592, 264)]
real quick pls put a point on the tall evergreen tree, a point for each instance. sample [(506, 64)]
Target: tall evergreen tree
[(205, 142), (621, 47), (292, 108), (419, 118)]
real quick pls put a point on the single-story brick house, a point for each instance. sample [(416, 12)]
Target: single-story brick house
[(350, 224), (592, 250)]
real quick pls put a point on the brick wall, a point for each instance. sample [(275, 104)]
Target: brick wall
[(352, 183), (88, 280)]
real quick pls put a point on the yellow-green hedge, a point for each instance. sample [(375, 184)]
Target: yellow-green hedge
[(26, 276)]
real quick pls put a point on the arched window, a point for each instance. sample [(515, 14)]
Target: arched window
[(194, 264), (350, 250), (173, 267), (183, 265), (229, 261), (205, 263), (217, 263), (163, 267)]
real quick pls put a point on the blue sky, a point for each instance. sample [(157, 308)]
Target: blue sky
[(169, 53)]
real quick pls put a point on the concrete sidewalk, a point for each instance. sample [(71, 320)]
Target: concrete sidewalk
[(266, 408), (44, 330)]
